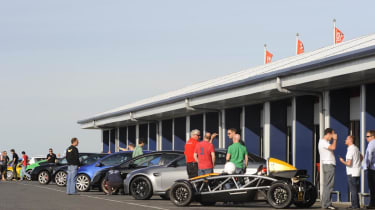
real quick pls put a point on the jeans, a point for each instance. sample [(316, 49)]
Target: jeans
[(353, 183), (14, 171), (71, 179), (23, 173), (328, 182), (192, 169), (205, 171)]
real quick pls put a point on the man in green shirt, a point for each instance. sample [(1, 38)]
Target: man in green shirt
[(138, 149), (237, 154)]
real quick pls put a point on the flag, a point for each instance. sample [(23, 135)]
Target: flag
[(268, 57), (339, 36), (300, 47)]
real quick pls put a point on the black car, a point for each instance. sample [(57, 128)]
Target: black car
[(151, 159), (43, 173), (59, 173)]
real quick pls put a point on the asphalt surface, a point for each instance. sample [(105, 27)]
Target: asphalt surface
[(31, 195)]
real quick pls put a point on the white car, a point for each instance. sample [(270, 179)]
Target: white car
[(36, 159)]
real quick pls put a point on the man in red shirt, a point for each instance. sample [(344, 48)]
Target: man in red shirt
[(25, 160), (191, 163), (204, 154)]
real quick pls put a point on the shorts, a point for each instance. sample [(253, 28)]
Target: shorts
[(192, 169)]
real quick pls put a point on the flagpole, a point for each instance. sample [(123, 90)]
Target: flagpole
[(265, 53), (297, 38), (334, 32)]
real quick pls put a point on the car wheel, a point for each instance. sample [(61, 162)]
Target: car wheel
[(181, 194), (60, 179), (106, 189), (44, 177), (279, 195), (28, 178), (141, 188), (83, 183), (9, 175), (309, 197)]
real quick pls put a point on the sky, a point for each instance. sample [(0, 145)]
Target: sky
[(64, 61)]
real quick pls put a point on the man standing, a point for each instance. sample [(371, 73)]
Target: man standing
[(15, 159), (129, 148), (353, 170), (138, 150), (231, 133), (237, 154), (191, 164), (25, 160), (4, 164), (369, 165), (210, 137), (328, 161), (51, 157), (72, 156), (204, 155)]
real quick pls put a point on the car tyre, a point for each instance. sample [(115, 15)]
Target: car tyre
[(105, 189), (280, 195), (83, 183), (9, 175), (28, 178), (44, 177), (181, 194), (60, 178), (141, 188), (311, 194)]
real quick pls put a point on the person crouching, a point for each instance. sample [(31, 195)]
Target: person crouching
[(113, 181)]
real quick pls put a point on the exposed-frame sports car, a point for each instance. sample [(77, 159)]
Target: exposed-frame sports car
[(279, 183)]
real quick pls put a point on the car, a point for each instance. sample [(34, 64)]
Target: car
[(158, 158), (278, 182), (87, 172), (43, 173), (158, 179), (59, 173), (36, 159), (10, 173), (30, 167)]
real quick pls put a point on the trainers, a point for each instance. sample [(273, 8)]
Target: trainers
[(331, 207)]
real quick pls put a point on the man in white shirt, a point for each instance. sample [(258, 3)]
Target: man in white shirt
[(353, 169), (328, 162)]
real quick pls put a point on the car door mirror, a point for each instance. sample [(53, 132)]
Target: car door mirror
[(99, 164)]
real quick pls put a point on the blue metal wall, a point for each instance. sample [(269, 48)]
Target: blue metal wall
[(132, 135), (232, 120), (340, 121), (278, 129), (305, 134), (369, 120), (167, 135), (122, 137), (179, 133), (113, 140), (105, 141), (252, 128), (212, 125), (152, 137)]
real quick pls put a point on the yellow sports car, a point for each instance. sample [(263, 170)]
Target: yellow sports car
[(10, 173)]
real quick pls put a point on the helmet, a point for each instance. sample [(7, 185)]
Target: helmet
[(229, 168)]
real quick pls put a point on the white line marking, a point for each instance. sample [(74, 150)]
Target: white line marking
[(89, 196)]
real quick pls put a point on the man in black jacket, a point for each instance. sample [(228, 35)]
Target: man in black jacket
[(72, 156)]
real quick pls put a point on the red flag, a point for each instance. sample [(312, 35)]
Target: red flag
[(268, 57), (339, 36), (300, 47)]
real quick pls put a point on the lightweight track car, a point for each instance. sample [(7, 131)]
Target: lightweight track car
[(280, 184)]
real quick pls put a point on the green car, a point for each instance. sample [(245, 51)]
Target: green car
[(29, 168)]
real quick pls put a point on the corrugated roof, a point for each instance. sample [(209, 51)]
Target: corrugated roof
[(256, 72)]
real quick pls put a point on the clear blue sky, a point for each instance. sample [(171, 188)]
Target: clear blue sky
[(62, 61)]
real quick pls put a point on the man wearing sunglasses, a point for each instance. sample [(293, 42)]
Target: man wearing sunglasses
[(51, 157), (369, 165), (191, 163)]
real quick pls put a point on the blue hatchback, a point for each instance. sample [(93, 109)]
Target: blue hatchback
[(87, 172)]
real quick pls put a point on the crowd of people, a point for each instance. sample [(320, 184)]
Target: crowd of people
[(353, 162), (200, 156)]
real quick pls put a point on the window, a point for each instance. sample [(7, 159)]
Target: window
[(116, 159), (181, 162), (145, 161), (63, 161)]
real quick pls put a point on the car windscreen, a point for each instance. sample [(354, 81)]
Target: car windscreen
[(116, 159), (62, 161), (91, 159)]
